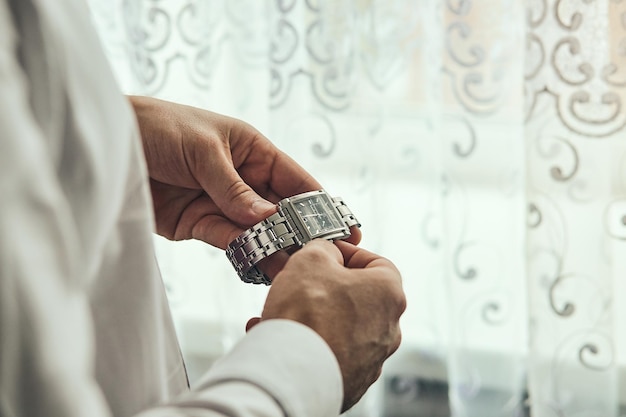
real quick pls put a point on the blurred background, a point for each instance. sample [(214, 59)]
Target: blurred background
[(480, 143)]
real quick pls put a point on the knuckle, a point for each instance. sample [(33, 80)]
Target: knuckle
[(394, 298), (395, 345), (400, 301)]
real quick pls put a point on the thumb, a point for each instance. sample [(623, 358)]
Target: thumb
[(237, 200), (243, 205)]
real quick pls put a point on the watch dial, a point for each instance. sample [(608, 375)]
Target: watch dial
[(318, 215)]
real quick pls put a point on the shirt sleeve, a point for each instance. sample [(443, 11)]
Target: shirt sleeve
[(280, 368)]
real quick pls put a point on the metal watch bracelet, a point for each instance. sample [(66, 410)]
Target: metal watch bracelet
[(275, 233)]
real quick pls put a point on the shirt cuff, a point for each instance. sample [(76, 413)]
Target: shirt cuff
[(290, 362)]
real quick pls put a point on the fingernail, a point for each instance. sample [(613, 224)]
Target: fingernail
[(262, 207)]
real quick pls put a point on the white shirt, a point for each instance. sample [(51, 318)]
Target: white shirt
[(85, 329)]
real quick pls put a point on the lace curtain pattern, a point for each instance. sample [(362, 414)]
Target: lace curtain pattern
[(480, 143)]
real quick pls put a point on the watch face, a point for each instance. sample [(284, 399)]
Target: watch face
[(317, 214)]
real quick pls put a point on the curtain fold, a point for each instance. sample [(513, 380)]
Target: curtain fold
[(480, 143)]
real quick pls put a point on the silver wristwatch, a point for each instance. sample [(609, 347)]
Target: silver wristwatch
[(299, 219)]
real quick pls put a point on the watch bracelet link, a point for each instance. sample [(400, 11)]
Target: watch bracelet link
[(268, 237), (260, 241), (346, 213)]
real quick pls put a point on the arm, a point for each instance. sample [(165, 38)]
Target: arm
[(352, 298), (332, 311), (213, 176)]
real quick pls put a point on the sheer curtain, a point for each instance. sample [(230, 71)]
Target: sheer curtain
[(480, 143)]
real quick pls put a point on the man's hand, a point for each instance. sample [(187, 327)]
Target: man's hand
[(212, 176), (351, 297)]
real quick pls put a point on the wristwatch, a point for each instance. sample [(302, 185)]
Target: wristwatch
[(299, 219)]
